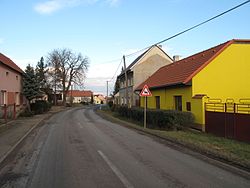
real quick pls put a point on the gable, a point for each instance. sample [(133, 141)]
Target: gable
[(154, 51), (141, 58), (227, 76), (9, 63)]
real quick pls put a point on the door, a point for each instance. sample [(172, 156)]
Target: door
[(157, 102), (178, 102)]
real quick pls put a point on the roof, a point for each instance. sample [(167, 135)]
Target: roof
[(141, 56), (78, 93), (181, 72), (9, 63)]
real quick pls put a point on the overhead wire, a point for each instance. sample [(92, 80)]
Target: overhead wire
[(116, 70), (182, 32), (191, 28)]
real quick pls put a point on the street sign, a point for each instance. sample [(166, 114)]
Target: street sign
[(145, 92)]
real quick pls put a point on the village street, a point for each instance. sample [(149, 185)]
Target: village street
[(77, 148)]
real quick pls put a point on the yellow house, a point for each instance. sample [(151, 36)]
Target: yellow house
[(221, 73)]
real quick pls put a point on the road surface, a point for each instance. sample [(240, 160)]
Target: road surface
[(77, 148)]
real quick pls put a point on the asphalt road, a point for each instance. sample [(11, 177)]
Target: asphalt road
[(77, 148)]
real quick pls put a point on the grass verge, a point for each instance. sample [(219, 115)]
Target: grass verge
[(230, 151)]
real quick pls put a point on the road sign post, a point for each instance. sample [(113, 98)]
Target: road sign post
[(145, 92), (145, 112)]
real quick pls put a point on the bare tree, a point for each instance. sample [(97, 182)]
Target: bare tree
[(68, 68)]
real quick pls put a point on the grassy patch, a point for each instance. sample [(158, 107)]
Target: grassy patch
[(231, 151)]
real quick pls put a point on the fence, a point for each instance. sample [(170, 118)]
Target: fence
[(7, 112), (230, 120)]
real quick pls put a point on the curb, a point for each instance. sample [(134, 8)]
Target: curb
[(4, 157)]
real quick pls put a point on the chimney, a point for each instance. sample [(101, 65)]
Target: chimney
[(160, 46), (176, 58)]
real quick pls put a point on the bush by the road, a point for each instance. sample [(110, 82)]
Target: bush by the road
[(163, 119), (40, 107)]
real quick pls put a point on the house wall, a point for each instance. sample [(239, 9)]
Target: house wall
[(227, 76), (79, 99), (148, 65), (141, 71), (167, 101), (97, 100), (11, 83), (122, 96)]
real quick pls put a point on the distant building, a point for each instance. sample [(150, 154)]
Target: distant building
[(78, 96), (99, 99)]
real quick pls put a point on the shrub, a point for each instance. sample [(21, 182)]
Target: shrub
[(113, 108), (26, 113), (40, 107), (163, 119), (110, 103), (84, 103)]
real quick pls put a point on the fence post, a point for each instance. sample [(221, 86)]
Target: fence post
[(234, 123), (14, 113), (225, 120), (5, 112)]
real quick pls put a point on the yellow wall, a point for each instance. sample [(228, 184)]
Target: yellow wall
[(167, 101), (227, 76)]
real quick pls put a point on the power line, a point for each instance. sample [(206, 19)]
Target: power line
[(191, 28), (116, 70), (182, 32)]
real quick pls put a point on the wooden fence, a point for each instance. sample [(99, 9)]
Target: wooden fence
[(230, 120)]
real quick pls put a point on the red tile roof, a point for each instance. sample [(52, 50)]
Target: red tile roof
[(182, 72), (8, 62), (78, 93)]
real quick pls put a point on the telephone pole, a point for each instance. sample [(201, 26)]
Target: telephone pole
[(126, 81), (107, 90)]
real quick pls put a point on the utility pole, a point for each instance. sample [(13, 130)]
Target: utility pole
[(107, 90), (71, 96), (126, 81)]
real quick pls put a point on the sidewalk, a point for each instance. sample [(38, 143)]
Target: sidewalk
[(14, 131)]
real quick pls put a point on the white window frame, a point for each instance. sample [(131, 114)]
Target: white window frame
[(3, 97)]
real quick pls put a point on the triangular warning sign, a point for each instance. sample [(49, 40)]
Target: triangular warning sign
[(145, 92)]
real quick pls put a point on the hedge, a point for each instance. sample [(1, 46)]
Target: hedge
[(163, 119), (40, 107)]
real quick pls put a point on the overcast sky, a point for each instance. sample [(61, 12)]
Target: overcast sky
[(104, 30)]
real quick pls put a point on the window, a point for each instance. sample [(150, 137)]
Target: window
[(131, 81), (7, 73), (178, 102), (17, 98), (16, 77), (3, 97), (188, 106), (157, 102)]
